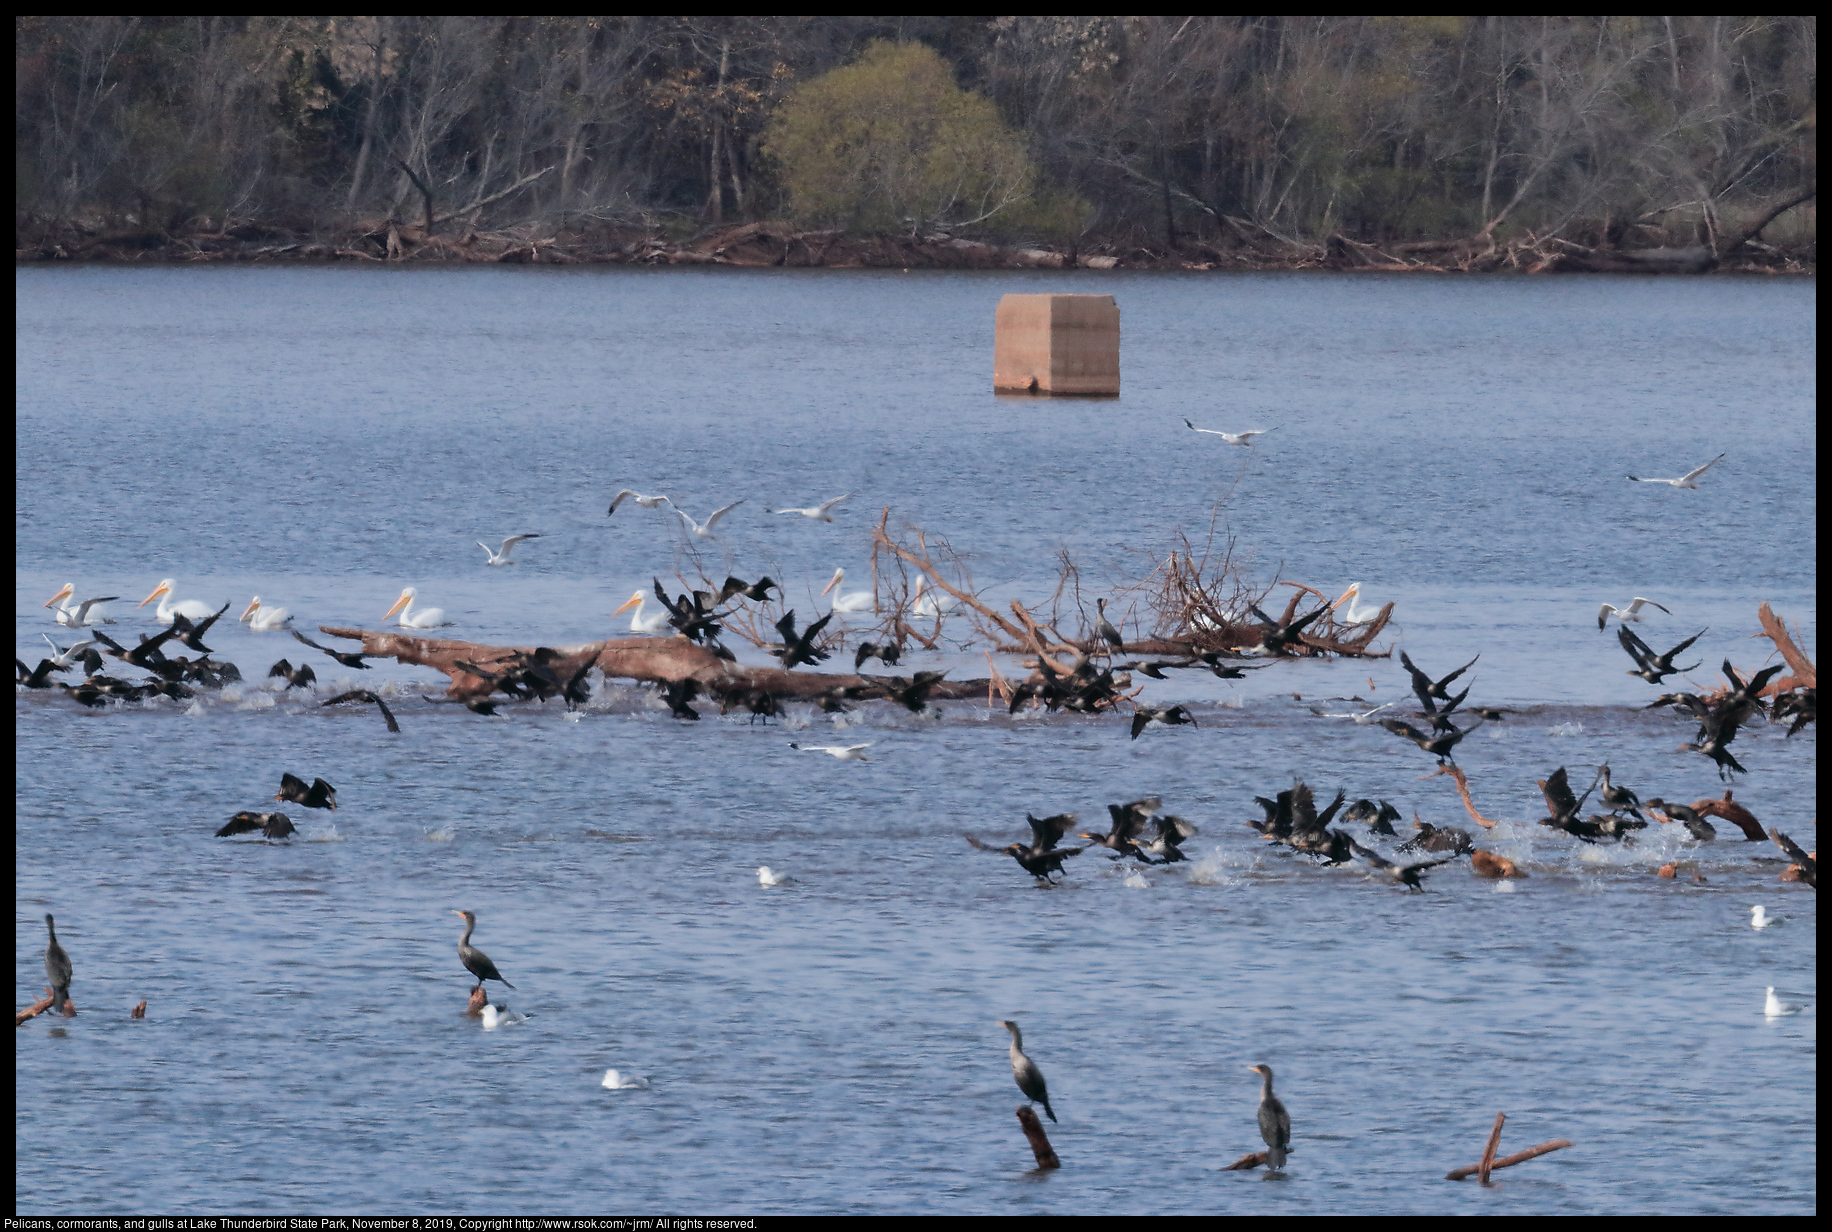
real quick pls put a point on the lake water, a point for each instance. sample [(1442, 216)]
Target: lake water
[(324, 437)]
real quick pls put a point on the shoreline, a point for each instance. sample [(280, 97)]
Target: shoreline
[(776, 244)]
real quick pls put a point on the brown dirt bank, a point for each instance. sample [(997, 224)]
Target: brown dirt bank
[(765, 244)]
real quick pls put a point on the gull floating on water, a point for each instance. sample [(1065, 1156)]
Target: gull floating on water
[(411, 618), (1232, 438), (495, 1016), (1760, 918), (767, 876), (1775, 1007), (264, 619), (78, 617), (1630, 614), (501, 558), (190, 609), (822, 512), (615, 1080), (696, 529), (1687, 480), (647, 502), (850, 752)]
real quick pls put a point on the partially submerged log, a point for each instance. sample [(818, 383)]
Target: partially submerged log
[(1806, 864), (1729, 810), (1456, 772), (657, 660), (21, 1017), (1039, 1141), (1519, 1157), (1253, 1160), (1495, 868)]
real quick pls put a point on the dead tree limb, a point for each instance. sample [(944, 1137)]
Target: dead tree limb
[(1488, 1152), (21, 1017), (1544, 1148), (1456, 772), (1253, 1160), (1805, 674), (929, 570), (1039, 1141)]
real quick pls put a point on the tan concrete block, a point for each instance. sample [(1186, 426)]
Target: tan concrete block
[(1061, 345)]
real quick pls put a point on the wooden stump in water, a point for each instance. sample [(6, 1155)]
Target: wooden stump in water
[(139, 1011), (1039, 1141), (478, 1000)]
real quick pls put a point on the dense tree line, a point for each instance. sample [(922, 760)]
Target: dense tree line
[(1161, 131)]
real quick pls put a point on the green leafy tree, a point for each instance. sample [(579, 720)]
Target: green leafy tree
[(890, 142)]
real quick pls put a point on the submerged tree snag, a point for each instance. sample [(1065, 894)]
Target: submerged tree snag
[(1805, 675), (657, 660)]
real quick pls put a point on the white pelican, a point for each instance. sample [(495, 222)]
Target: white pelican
[(1628, 615), (857, 601), (412, 618), (1775, 1007), (1687, 480), (850, 752), (1358, 613), (79, 617), (647, 502), (767, 876), (264, 619), (190, 609), (928, 603), (705, 532), (1233, 438), (617, 1081), (499, 559), (822, 512), (640, 623), (1760, 918)]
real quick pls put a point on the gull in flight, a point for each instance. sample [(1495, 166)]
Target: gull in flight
[(1365, 718), (822, 512), (1232, 438), (1687, 480), (850, 752), (1630, 614), (705, 532), (501, 558), (78, 617), (647, 502)]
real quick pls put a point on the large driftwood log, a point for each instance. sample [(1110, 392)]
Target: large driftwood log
[(653, 659)]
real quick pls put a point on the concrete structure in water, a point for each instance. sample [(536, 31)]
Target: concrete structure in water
[(1057, 345)]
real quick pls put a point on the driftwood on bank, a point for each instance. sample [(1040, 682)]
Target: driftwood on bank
[(1039, 1141), (657, 660)]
